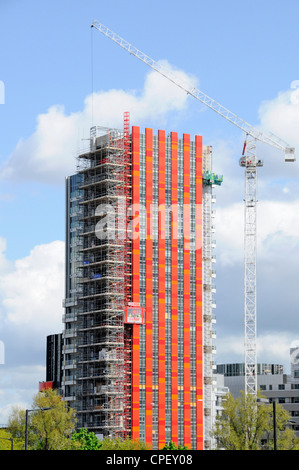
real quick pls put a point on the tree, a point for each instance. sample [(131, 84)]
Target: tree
[(244, 424), (49, 429), (123, 444), (16, 423), (172, 446), (55, 426), (5, 440), (85, 440)]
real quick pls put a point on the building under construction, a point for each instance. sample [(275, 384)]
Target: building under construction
[(138, 324)]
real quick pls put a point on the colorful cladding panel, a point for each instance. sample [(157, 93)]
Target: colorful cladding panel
[(157, 381), (149, 288), (174, 288), (161, 287), (135, 285), (187, 324), (198, 287)]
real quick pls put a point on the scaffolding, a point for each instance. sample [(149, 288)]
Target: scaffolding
[(103, 340), (127, 280), (209, 289)]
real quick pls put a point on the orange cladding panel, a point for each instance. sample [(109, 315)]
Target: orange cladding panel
[(135, 284), (149, 289), (198, 287), (161, 287), (187, 338), (174, 288)]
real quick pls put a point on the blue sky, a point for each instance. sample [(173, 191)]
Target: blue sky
[(244, 56)]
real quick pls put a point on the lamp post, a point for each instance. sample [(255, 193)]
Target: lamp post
[(265, 400), (26, 423)]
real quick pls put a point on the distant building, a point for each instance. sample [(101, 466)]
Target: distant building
[(271, 380), (53, 363)]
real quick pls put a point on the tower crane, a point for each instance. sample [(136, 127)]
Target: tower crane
[(250, 162)]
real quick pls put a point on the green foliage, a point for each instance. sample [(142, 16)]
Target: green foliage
[(16, 423), (172, 446), (5, 440), (85, 440), (244, 424), (123, 444), (47, 430), (55, 426)]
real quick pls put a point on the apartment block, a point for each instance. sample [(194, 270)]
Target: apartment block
[(138, 353)]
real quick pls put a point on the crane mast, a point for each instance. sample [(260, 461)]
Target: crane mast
[(250, 354), (250, 162)]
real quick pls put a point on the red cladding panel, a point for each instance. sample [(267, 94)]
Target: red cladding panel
[(187, 231), (174, 288), (149, 288), (199, 319), (45, 386), (161, 245), (135, 282)]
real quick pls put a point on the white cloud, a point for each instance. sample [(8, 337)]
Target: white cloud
[(33, 289), (5, 265), (31, 293), (277, 222), (272, 348), (281, 116), (18, 385), (48, 155)]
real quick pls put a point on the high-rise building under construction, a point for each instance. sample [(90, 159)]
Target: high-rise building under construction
[(138, 323)]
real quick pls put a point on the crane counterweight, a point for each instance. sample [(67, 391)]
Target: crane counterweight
[(289, 155)]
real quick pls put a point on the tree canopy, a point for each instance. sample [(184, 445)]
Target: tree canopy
[(85, 440), (123, 444), (245, 424), (51, 422)]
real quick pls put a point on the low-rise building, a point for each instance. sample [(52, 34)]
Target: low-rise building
[(272, 381)]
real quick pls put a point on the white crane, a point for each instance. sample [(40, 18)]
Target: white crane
[(250, 162)]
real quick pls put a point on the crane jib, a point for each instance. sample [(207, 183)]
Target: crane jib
[(271, 139)]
